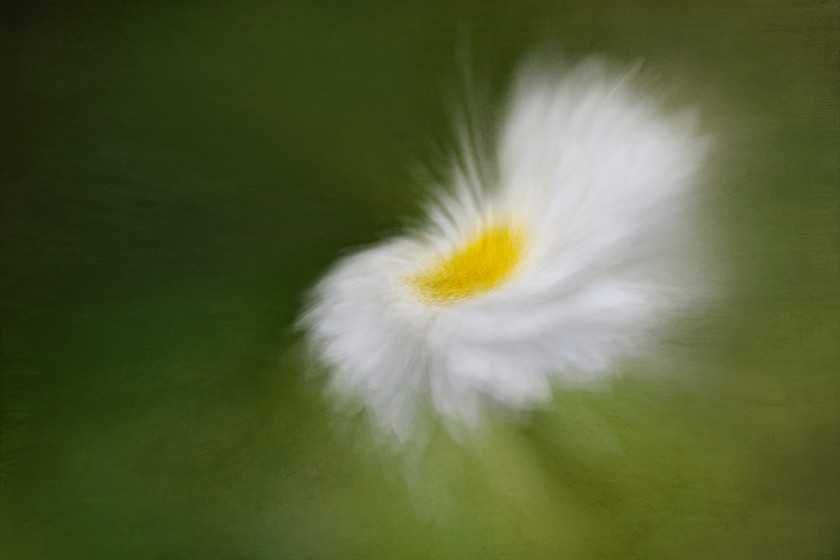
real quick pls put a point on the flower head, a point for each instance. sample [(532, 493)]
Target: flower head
[(558, 266)]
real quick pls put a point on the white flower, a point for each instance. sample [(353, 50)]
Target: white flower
[(552, 270)]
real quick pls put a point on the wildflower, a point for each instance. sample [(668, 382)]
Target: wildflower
[(558, 265)]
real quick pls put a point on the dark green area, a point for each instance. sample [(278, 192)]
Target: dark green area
[(176, 174)]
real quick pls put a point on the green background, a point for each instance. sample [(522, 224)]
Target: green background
[(176, 174)]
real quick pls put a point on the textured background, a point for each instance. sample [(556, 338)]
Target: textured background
[(175, 174)]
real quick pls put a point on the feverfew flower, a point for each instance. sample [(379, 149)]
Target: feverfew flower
[(559, 263)]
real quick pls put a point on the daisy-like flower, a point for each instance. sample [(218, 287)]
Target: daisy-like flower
[(561, 262)]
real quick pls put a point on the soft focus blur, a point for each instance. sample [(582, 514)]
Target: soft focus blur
[(176, 174)]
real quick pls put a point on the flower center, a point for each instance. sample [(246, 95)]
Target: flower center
[(478, 266)]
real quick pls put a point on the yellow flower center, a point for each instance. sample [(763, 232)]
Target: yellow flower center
[(478, 266)]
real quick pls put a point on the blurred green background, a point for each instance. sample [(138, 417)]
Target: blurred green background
[(176, 174)]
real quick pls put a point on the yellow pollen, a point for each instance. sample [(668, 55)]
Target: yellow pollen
[(480, 265)]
